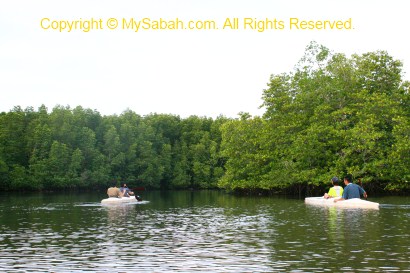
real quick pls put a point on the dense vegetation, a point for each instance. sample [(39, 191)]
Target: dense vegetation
[(79, 148), (331, 115)]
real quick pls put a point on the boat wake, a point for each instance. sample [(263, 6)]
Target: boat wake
[(394, 206)]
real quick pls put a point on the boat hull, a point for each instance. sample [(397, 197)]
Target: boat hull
[(116, 200), (350, 203)]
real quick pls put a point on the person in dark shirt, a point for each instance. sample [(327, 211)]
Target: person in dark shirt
[(125, 191), (351, 190)]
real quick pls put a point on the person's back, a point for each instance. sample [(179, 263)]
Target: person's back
[(352, 191), (335, 191), (113, 192), (125, 191)]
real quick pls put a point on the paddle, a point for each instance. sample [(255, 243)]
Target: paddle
[(139, 199), (359, 182)]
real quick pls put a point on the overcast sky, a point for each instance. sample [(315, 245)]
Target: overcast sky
[(182, 72)]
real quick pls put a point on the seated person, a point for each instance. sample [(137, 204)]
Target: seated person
[(125, 191), (336, 190), (351, 190), (113, 192)]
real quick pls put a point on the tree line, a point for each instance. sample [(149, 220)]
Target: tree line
[(80, 148), (331, 115)]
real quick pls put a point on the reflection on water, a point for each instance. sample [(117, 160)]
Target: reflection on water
[(199, 232)]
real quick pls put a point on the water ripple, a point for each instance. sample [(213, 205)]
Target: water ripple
[(268, 235)]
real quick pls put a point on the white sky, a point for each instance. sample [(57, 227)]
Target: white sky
[(183, 72)]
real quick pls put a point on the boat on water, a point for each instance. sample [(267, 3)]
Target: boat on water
[(120, 200), (350, 203)]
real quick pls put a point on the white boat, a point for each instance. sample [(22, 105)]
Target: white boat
[(350, 203), (119, 200)]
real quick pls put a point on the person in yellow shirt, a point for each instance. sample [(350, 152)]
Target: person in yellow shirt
[(336, 190)]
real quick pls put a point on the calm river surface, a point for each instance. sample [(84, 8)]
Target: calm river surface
[(205, 231)]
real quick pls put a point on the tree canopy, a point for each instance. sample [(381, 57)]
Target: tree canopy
[(332, 115), (79, 148)]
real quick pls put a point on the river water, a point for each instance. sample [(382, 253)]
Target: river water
[(206, 231)]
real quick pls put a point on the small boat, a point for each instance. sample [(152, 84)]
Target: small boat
[(350, 203), (119, 200)]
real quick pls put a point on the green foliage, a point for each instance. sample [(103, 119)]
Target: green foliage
[(329, 116), (242, 144), (332, 115), (78, 148)]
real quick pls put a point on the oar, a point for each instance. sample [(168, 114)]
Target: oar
[(139, 199), (359, 182)]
